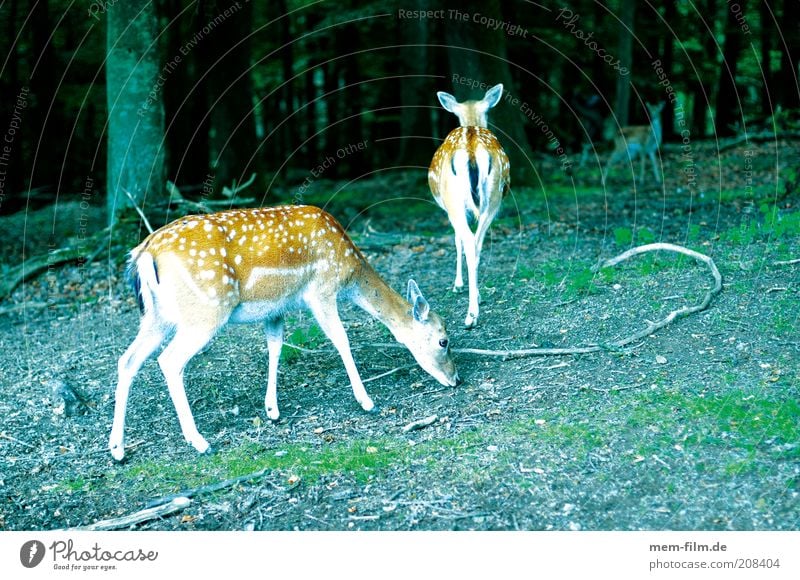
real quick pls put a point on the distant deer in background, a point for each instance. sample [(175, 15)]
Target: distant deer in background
[(198, 273), (641, 140), (469, 177)]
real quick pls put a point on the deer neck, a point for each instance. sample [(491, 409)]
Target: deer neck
[(377, 298)]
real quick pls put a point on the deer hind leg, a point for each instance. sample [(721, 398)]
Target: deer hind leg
[(274, 331), (458, 284), (149, 338), (471, 254), (643, 162), (188, 341), (327, 316), (480, 234)]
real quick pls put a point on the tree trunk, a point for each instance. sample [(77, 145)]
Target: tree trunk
[(625, 51), (767, 31), (135, 120), (668, 58), (478, 54), (287, 104), (47, 130), (787, 77), (702, 89), (417, 92), (186, 154), (233, 135), (728, 102)]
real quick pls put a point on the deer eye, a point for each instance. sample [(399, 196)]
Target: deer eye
[(443, 342)]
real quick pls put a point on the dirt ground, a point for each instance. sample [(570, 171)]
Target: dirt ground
[(694, 427)]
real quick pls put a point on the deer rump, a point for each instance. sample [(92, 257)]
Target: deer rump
[(471, 169)]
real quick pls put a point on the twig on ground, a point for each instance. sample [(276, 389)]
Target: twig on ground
[(139, 210), (174, 505), (389, 372), (190, 493), (786, 262), (420, 423), (4, 435), (23, 306)]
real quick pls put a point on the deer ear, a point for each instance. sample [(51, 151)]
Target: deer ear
[(448, 101), (421, 309), (413, 291), (492, 96)]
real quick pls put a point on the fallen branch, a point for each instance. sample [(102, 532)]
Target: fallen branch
[(204, 489), (170, 504), (16, 276), (420, 423), (647, 331), (786, 262), (175, 505), (765, 137)]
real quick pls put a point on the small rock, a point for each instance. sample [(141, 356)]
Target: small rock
[(492, 448), (660, 359), (67, 401)]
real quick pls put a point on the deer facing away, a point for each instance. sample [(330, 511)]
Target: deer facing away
[(198, 273), (468, 177), (641, 140)]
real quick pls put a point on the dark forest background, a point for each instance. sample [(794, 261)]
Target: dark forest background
[(205, 93)]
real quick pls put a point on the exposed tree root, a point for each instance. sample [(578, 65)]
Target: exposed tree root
[(647, 331)]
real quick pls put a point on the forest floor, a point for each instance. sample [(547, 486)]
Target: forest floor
[(694, 427)]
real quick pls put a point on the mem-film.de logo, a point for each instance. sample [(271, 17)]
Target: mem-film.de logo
[(66, 556)]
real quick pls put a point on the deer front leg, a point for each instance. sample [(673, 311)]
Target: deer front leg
[(327, 316), (656, 172), (274, 331)]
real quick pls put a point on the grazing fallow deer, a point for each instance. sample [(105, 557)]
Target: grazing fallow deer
[(198, 273), (639, 140), (468, 177)]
